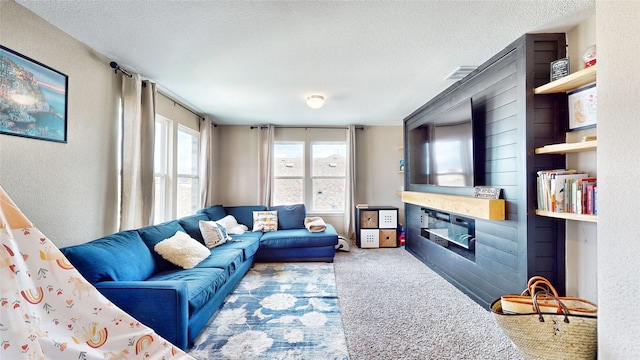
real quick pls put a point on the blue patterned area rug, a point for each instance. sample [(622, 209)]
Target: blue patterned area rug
[(278, 311)]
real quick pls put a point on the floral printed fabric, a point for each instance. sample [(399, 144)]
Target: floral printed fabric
[(278, 311), (49, 311)]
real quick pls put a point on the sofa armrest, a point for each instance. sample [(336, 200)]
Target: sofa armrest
[(161, 305)]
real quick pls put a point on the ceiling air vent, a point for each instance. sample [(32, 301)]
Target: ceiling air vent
[(460, 72)]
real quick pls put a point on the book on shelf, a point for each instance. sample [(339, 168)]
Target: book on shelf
[(362, 206), (565, 191), (595, 200), (589, 191)]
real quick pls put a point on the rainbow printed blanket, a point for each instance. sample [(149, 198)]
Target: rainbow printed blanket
[(49, 311)]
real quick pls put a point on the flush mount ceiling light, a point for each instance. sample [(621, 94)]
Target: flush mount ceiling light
[(460, 72), (315, 101)]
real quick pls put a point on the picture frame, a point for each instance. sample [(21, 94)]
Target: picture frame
[(33, 98), (484, 192), (583, 106), (559, 69)]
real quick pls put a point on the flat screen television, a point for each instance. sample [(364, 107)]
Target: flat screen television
[(441, 148)]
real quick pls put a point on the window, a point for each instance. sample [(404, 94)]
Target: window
[(328, 176), (313, 173), (188, 190), (288, 173), (176, 170)]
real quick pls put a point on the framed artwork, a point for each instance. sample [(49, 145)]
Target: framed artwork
[(583, 106), (33, 98)]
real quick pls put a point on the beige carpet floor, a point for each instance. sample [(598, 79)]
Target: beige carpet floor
[(395, 307)]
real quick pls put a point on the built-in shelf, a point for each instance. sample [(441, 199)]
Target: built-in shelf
[(488, 209), (566, 148), (569, 82), (568, 216)]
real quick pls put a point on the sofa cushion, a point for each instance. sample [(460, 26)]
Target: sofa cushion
[(248, 242), (265, 221), (224, 257), (202, 283), (214, 213), (299, 238), (182, 250), (213, 233), (191, 225), (290, 216), (151, 235), (102, 259)]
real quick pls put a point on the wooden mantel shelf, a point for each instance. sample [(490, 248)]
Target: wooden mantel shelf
[(488, 209)]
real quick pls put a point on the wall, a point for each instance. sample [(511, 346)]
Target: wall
[(378, 162), (579, 39), (617, 32), (168, 108), (68, 190), (581, 237), (238, 171)]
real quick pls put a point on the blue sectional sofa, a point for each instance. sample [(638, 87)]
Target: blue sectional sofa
[(176, 302)]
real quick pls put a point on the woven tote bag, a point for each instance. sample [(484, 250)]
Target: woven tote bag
[(523, 303), (549, 336)]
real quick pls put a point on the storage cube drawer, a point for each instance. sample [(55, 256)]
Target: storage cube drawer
[(388, 238), (369, 238), (388, 219), (369, 219)]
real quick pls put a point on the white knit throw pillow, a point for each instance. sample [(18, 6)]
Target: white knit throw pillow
[(182, 250)]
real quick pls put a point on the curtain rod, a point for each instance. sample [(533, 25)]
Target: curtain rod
[(184, 107), (114, 65), (116, 68), (307, 127)]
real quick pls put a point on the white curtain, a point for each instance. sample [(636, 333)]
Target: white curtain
[(138, 133), (350, 203), (267, 136), (206, 158)]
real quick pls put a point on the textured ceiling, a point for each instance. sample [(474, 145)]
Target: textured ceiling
[(246, 62)]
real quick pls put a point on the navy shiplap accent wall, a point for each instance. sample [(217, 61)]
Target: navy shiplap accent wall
[(509, 122)]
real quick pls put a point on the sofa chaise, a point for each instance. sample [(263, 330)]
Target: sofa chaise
[(178, 302)]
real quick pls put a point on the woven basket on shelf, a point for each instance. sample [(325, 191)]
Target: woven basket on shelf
[(549, 336)]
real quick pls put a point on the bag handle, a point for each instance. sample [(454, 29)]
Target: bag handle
[(561, 306), (537, 282), (545, 286)]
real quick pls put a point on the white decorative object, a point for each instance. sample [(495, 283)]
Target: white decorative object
[(589, 56)]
